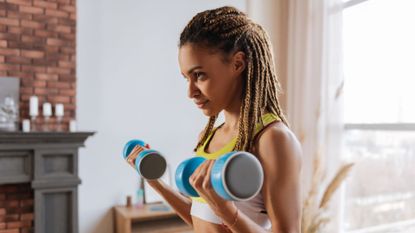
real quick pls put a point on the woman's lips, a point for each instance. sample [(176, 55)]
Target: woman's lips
[(201, 104)]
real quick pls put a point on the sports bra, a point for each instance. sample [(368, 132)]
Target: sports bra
[(253, 208)]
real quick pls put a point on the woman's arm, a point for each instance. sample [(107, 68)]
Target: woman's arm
[(178, 202), (280, 155)]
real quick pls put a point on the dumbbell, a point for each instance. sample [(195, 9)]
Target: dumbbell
[(235, 176), (149, 163)]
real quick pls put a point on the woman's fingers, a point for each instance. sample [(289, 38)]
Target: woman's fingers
[(196, 179), (206, 182)]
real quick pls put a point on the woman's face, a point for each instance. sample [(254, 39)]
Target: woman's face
[(213, 83)]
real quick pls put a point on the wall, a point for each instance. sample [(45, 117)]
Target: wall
[(129, 86), (37, 44)]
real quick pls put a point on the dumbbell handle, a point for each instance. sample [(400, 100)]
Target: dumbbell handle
[(236, 176), (150, 164)]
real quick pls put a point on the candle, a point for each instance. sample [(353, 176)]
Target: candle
[(72, 126), (33, 106), (26, 125), (47, 110), (59, 110)]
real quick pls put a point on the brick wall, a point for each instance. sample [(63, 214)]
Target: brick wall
[(16, 208), (37, 44)]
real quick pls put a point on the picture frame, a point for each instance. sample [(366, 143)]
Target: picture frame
[(9, 103)]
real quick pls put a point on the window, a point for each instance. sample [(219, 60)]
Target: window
[(379, 61)]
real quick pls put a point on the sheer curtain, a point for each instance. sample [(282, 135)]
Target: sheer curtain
[(314, 87), (306, 38)]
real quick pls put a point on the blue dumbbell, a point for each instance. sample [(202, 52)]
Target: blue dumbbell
[(235, 176), (149, 163)]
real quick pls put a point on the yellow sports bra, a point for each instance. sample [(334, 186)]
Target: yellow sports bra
[(201, 151)]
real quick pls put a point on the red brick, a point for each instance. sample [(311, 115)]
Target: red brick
[(46, 4), (13, 225), (67, 21), (67, 78), (26, 230), (21, 2), (55, 42), (9, 52), (11, 204), (2, 59), (46, 77), (9, 36), (20, 30), (39, 83), (26, 224), (59, 85), (59, 99), (43, 33), (7, 67), (17, 60), (26, 203), (31, 9), (33, 39), (3, 28), (63, 28), (2, 196), (32, 53), (3, 12), (28, 216), (57, 70), (68, 36), (67, 92), (68, 8), (36, 69), (68, 50), (10, 231), (57, 13), (40, 91), (45, 19), (2, 211), (65, 64), (2, 225), (8, 21), (3, 43), (11, 217), (19, 15), (32, 24), (73, 16), (10, 6), (26, 90), (20, 74)]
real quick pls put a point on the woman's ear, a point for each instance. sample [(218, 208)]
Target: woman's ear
[(239, 62)]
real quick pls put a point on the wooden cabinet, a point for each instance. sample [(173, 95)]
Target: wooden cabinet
[(147, 220)]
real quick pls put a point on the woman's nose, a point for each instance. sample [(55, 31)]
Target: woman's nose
[(192, 90)]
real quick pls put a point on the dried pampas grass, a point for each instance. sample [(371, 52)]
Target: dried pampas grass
[(315, 215)]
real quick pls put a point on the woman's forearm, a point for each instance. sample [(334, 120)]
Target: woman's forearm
[(178, 202)]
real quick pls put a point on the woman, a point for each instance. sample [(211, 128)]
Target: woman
[(227, 61)]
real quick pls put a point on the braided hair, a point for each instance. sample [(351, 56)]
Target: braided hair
[(229, 30)]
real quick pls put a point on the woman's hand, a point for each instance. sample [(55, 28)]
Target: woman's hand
[(200, 180)]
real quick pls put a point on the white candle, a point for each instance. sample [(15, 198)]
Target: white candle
[(26, 125), (72, 126), (59, 110), (47, 110), (33, 106)]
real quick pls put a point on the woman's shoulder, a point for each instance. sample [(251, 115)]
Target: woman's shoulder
[(277, 141)]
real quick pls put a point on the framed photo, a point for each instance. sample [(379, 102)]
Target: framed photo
[(9, 103)]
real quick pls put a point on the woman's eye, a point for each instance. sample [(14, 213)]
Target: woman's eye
[(199, 75)]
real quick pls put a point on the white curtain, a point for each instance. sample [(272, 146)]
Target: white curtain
[(314, 87)]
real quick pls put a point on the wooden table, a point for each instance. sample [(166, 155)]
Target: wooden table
[(146, 220)]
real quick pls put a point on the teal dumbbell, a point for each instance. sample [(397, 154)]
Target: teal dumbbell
[(150, 164), (235, 176)]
